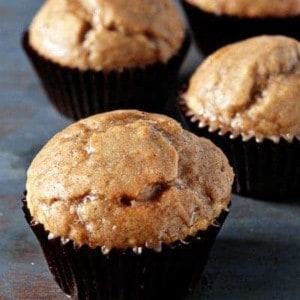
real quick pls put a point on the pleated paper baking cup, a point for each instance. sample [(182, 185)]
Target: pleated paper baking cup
[(169, 272), (78, 94), (264, 168), (212, 31)]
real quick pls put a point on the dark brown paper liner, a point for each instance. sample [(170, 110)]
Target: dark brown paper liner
[(85, 273), (78, 94), (212, 32), (265, 170)]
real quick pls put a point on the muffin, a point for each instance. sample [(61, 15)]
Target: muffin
[(216, 23), (127, 205), (95, 56), (246, 98)]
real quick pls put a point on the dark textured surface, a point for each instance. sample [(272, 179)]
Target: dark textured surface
[(256, 256)]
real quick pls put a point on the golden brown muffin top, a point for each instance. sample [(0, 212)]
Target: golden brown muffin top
[(250, 88), (127, 179), (107, 34), (250, 8)]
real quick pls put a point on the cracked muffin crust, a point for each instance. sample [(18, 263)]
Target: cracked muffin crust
[(127, 179), (249, 8), (107, 34), (250, 88)]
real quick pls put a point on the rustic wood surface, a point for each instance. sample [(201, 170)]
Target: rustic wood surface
[(256, 256)]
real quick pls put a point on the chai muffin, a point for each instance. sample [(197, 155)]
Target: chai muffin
[(246, 98), (126, 205), (216, 23), (99, 55)]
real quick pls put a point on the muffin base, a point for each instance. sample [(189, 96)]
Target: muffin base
[(85, 273), (212, 32), (78, 94), (265, 170)]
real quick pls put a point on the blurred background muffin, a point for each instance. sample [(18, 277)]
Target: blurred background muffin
[(95, 56), (127, 205), (216, 23), (246, 98)]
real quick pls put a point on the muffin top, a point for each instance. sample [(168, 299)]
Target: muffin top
[(250, 8), (250, 88), (127, 179), (107, 34)]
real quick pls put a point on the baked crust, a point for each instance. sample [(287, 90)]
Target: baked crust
[(127, 179), (250, 8), (107, 34), (250, 88)]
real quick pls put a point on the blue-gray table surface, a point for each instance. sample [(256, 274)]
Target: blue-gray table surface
[(256, 256)]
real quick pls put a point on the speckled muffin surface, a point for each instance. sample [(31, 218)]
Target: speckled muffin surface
[(127, 179), (250, 88), (249, 8), (107, 34)]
